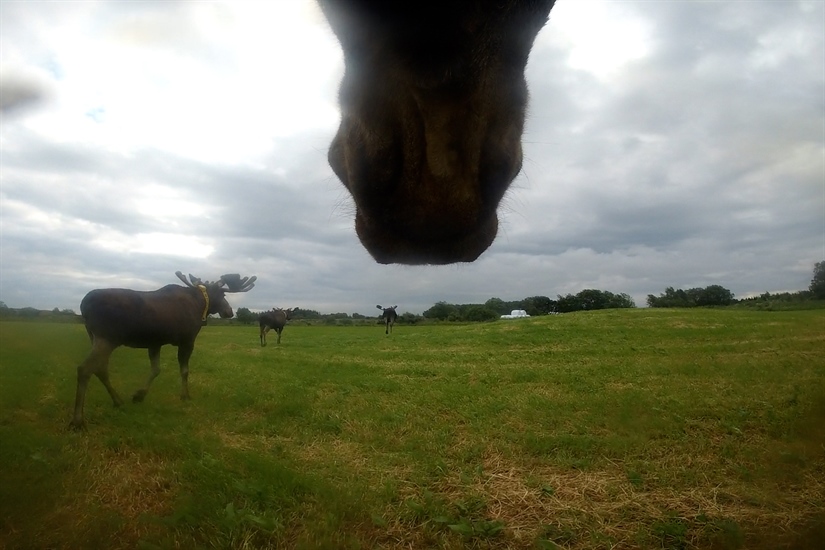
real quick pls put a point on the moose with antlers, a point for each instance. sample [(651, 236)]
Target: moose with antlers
[(389, 315), (170, 315), (276, 319)]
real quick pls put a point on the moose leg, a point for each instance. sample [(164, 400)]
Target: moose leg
[(264, 330), (154, 363), (103, 376), (97, 362), (279, 333), (184, 353)]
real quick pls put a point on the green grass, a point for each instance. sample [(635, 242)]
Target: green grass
[(615, 429)]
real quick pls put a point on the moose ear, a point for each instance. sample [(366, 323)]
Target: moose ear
[(379, 307)]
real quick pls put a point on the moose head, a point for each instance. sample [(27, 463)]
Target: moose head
[(433, 103), (215, 291)]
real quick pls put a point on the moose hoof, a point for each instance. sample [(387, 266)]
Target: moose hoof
[(77, 425), (138, 397)]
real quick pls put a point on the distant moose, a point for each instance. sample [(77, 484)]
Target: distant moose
[(433, 102), (170, 315), (389, 315), (273, 319)]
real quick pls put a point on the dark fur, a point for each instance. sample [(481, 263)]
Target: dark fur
[(274, 319), (433, 102), (121, 317), (390, 316)]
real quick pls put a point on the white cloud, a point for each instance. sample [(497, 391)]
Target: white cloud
[(212, 82), (168, 244), (600, 37)]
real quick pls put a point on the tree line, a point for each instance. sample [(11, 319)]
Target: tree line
[(494, 308), (716, 295), (713, 295), (585, 300)]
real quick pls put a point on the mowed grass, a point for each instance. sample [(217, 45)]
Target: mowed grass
[(612, 429)]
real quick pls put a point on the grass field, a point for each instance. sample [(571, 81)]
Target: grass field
[(614, 429)]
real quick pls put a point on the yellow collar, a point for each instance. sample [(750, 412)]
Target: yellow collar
[(205, 297)]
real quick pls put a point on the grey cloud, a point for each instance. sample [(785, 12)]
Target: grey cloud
[(17, 92)]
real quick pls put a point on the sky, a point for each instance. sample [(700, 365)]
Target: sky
[(669, 143)]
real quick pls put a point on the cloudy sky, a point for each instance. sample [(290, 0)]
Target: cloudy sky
[(669, 143)]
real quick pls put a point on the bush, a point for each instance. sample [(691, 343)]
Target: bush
[(480, 313)]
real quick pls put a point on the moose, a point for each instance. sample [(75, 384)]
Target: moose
[(389, 315), (273, 319), (149, 319), (433, 102)]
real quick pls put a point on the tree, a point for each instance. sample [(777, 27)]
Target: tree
[(245, 316), (817, 287), (714, 295), (338, 315), (408, 318), (568, 303), (298, 313), (441, 311), (671, 298), (496, 304), (538, 305), (621, 301), (28, 312), (591, 299), (480, 313)]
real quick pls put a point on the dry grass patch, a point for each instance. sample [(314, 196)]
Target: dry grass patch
[(249, 442), (130, 483), (578, 509), (342, 458), (111, 496)]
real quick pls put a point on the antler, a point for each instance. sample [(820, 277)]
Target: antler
[(235, 283), (195, 282), (187, 283)]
